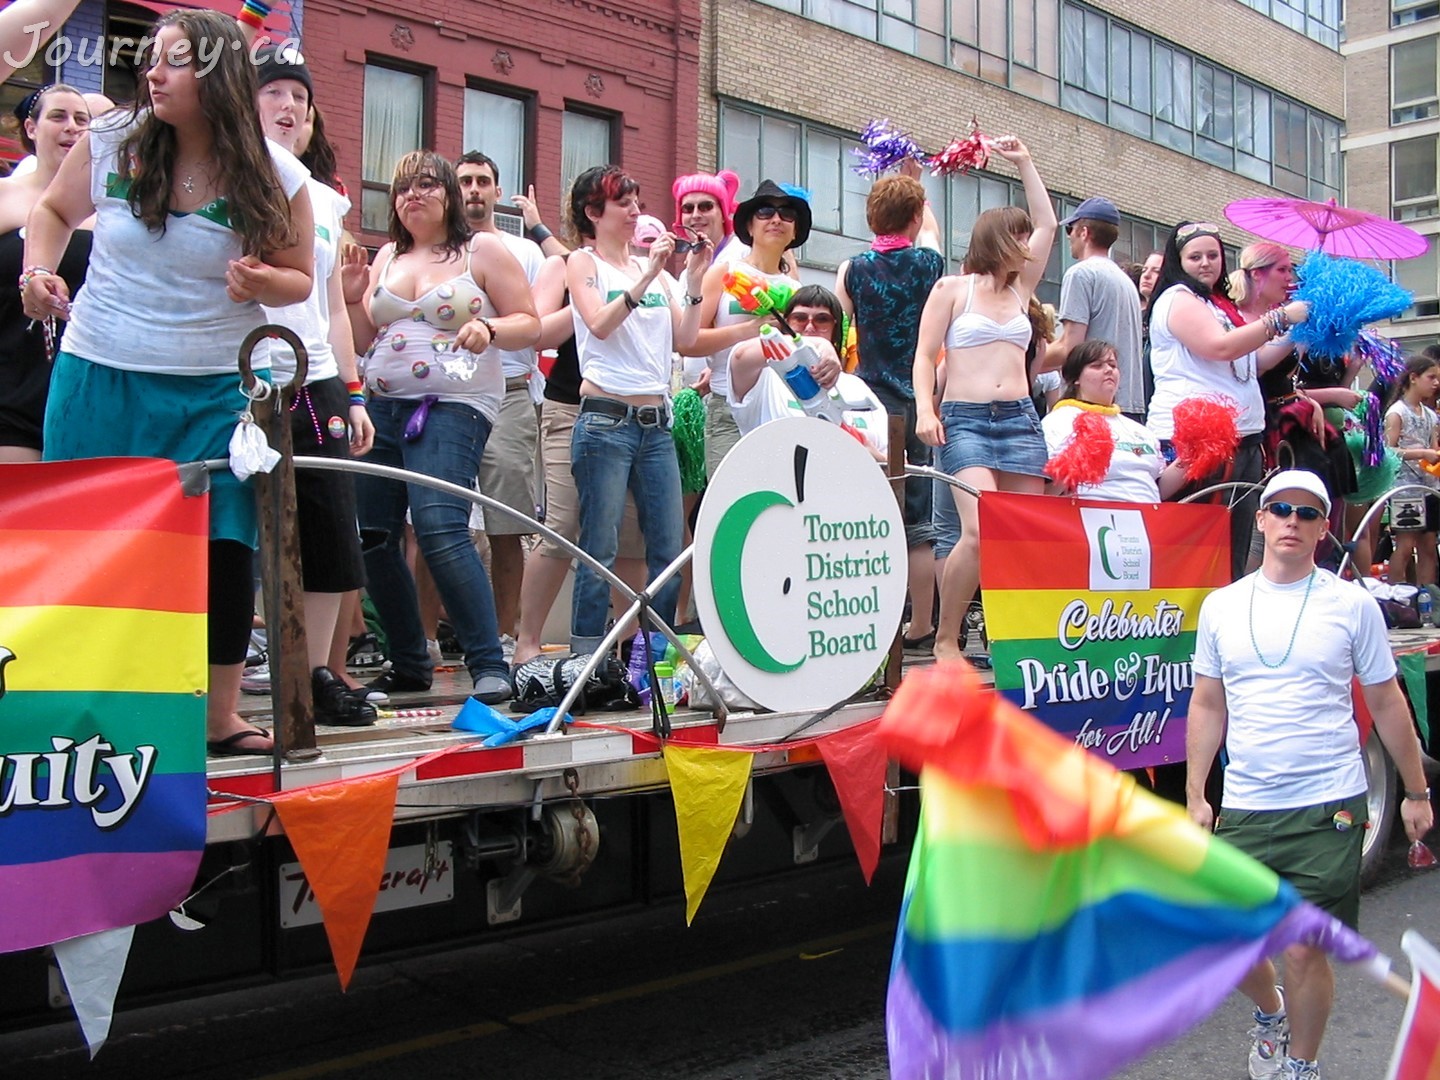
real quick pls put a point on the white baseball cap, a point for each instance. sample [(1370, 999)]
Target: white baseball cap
[(1295, 480)]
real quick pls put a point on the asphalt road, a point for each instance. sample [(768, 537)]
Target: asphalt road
[(774, 981)]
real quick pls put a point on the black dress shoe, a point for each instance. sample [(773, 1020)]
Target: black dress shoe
[(335, 705)]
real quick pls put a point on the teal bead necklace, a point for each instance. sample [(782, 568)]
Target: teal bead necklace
[(1294, 633)]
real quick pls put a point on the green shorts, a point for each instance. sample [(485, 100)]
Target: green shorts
[(1305, 848)]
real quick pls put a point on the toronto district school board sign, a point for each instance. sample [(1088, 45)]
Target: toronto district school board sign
[(800, 565)]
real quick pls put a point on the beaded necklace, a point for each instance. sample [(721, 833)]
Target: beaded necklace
[(1295, 631)]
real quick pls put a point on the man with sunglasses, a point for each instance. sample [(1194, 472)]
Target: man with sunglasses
[(1275, 654)]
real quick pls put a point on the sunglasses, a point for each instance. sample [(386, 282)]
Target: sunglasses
[(766, 211), (1304, 513), (1196, 228), (706, 207), (686, 239), (811, 318)]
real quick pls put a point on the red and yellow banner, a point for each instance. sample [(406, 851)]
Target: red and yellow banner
[(1091, 608)]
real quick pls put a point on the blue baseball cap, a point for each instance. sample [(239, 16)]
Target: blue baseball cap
[(1096, 208)]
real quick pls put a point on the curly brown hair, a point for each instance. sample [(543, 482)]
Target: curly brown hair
[(258, 207)]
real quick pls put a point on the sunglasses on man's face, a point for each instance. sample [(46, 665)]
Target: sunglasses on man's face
[(766, 211), (706, 207), (1304, 513)]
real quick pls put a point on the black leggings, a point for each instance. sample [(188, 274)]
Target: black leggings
[(232, 601)]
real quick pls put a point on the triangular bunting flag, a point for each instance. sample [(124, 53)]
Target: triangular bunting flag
[(857, 763), (1412, 670), (707, 785), (340, 833), (92, 965)]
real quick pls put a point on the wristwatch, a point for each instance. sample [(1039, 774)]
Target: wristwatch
[(691, 300), (1418, 796)]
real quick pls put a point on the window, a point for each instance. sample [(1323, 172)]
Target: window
[(1405, 12), (586, 140), (1413, 81), (1414, 192), (1319, 20), (497, 126), (1421, 276), (394, 126), (125, 28), (32, 76)]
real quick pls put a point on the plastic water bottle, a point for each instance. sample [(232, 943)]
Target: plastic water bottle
[(1422, 602), (638, 674), (795, 370), (665, 685)]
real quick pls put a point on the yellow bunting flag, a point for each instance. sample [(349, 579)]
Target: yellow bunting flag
[(708, 785), (341, 833)]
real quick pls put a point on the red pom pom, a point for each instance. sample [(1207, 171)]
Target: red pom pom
[(1205, 435), (1085, 459), (961, 155)]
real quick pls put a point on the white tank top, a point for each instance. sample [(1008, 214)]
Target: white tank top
[(635, 358)]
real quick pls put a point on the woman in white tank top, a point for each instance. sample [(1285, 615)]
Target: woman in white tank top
[(986, 429), (626, 324)]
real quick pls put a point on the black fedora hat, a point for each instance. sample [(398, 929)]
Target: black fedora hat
[(771, 192)]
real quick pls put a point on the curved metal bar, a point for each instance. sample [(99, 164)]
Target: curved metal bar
[(1377, 507), (1227, 486), (936, 474), (638, 600)]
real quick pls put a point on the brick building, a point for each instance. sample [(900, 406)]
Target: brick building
[(547, 89), (1392, 133), (1172, 111)]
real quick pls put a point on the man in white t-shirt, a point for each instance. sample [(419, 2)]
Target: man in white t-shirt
[(1098, 301), (507, 468), (1275, 654)]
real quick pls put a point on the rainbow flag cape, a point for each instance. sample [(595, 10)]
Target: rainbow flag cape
[(1417, 1050), (102, 696), (1091, 608), (1059, 921)]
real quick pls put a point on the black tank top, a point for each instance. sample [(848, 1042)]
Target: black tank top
[(563, 382), (19, 342)]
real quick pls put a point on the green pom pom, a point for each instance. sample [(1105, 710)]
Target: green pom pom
[(689, 435), (1371, 481)]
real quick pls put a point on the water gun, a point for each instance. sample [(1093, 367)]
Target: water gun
[(759, 296), (793, 360)]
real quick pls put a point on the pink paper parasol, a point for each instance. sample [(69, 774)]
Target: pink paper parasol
[(1336, 230)]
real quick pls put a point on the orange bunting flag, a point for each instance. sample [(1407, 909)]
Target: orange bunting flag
[(857, 763), (708, 786), (341, 835)]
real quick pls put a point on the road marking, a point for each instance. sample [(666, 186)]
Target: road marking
[(809, 950)]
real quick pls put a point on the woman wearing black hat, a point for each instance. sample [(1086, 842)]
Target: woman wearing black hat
[(48, 122), (772, 221)]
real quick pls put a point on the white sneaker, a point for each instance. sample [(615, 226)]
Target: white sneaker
[(256, 680), (1269, 1041), (507, 648), (1299, 1069), (433, 648)]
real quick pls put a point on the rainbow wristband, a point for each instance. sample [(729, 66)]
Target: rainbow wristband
[(253, 13)]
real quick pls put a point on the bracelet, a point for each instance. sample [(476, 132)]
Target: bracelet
[(691, 300), (32, 272), (538, 232), (489, 326), (253, 13), (357, 399), (1418, 796), (630, 301)]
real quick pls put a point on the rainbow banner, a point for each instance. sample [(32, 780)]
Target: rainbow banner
[(1058, 920), (102, 696), (1417, 1050), (1091, 608)]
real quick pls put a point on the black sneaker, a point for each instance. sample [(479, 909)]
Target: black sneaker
[(392, 682), (334, 704)]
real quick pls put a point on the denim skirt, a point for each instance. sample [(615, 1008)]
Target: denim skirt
[(1000, 435)]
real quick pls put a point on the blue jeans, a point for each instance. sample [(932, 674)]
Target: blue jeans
[(449, 448), (607, 455)]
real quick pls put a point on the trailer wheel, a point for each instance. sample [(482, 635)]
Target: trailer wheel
[(1383, 799)]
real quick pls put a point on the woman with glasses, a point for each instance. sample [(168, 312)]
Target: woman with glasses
[(769, 223), (1201, 346), (986, 428), (1137, 473), (435, 303), (758, 395), (627, 322)]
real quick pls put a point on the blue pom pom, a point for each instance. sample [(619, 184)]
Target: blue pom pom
[(1344, 297), (886, 147)]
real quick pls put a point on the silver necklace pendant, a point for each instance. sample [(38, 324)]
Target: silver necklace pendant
[(189, 183)]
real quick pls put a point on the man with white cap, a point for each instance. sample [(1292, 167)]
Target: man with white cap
[(1275, 654)]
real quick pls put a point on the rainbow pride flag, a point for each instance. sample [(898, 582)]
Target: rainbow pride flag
[(1091, 608), (1417, 1049), (1059, 921), (102, 696)]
